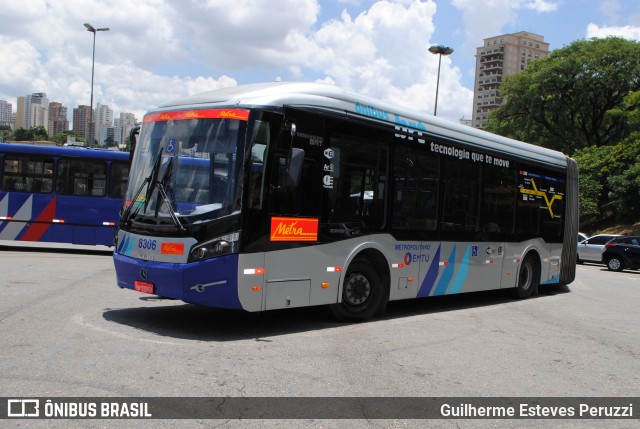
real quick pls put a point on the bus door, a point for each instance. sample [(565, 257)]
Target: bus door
[(414, 218), (497, 224), (294, 207), (471, 250)]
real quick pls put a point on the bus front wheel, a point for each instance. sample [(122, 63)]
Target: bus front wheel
[(362, 294)]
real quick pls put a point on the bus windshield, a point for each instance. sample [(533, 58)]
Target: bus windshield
[(186, 169)]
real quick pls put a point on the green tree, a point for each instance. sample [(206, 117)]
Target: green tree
[(569, 100), (109, 142), (22, 134), (40, 133), (604, 173), (625, 193), (5, 133), (61, 138)]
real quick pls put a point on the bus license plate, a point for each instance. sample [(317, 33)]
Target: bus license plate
[(143, 287)]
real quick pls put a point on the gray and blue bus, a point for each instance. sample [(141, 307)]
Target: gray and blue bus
[(281, 195)]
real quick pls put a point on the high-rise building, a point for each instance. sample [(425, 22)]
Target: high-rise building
[(123, 126), (33, 111), (103, 119), (501, 56), (58, 121), (81, 115), (6, 110)]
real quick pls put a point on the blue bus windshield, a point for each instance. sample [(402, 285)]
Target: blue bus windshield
[(197, 173)]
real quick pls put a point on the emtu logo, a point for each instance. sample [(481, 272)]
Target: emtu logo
[(23, 408)]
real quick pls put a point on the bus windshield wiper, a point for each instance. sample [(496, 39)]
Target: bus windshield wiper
[(127, 213), (165, 191), (153, 180), (150, 180)]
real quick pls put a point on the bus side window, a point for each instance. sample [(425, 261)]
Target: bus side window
[(541, 213), (498, 202), (460, 199), (261, 140), (81, 177), (356, 179), (415, 194), (26, 174), (118, 179)]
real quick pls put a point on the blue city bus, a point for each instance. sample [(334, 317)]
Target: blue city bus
[(282, 195), (61, 194)]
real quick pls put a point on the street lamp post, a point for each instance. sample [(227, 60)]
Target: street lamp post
[(93, 30), (439, 50)]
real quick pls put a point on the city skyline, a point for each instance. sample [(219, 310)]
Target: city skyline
[(35, 110), (377, 48)]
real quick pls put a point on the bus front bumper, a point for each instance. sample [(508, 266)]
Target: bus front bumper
[(210, 283)]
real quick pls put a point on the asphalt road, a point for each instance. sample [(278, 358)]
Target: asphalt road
[(66, 330)]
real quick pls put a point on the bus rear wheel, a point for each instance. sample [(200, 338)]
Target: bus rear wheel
[(362, 294), (528, 278)]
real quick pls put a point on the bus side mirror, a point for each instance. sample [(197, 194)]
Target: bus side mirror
[(133, 139)]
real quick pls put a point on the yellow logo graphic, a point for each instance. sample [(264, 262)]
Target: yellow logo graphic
[(543, 194)]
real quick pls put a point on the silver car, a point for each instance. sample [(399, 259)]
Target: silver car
[(590, 250)]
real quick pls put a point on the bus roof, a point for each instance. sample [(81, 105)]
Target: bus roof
[(333, 98), (63, 151)]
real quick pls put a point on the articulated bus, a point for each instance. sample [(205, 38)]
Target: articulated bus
[(280, 195), (61, 194)]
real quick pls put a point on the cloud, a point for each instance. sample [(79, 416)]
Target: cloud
[(484, 19), (627, 32), (382, 52), (541, 6), (158, 50)]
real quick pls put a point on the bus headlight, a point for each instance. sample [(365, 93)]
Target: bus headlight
[(218, 246)]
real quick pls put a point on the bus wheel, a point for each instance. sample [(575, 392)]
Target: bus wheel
[(362, 294), (528, 278)]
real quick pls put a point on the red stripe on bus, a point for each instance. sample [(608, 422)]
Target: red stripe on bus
[(42, 222)]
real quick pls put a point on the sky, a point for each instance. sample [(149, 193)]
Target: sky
[(160, 50)]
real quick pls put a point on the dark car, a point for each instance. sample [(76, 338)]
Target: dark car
[(622, 252)]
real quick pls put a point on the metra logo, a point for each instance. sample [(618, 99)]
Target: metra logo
[(232, 114), (294, 229), (182, 115), (172, 248)]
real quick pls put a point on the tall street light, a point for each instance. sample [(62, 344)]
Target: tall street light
[(93, 30), (439, 50)]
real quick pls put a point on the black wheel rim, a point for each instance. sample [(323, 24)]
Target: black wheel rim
[(357, 290)]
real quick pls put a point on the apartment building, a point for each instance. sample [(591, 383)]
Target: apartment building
[(123, 126), (6, 113), (58, 120), (81, 117), (32, 111), (103, 121), (498, 57)]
